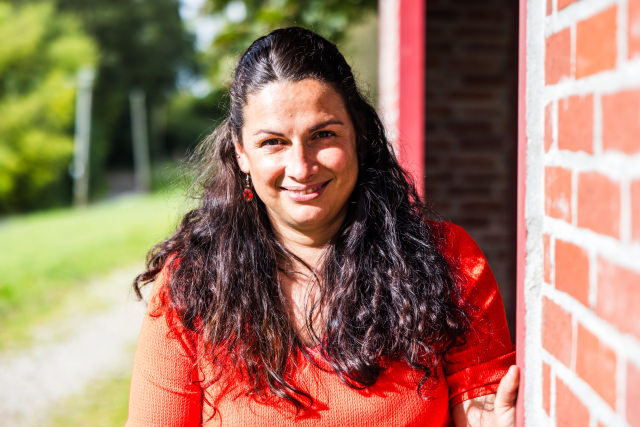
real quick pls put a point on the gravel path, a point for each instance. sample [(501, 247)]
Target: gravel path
[(32, 381)]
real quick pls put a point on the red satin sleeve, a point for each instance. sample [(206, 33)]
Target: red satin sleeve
[(475, 368)]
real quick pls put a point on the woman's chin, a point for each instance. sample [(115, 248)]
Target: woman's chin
[(310, 219)]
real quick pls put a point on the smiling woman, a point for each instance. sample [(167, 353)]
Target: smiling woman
[(327, 298), (299, 147)]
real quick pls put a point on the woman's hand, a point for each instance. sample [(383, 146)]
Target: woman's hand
[(493, 410), (505, 404)]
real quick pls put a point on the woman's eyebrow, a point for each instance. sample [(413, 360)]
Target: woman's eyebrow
[(325, 123), (312, 129), (270, 132)]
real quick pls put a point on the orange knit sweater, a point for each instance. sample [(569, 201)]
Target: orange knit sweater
[(166, 391)]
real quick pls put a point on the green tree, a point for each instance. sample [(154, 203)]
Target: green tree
[(40, 55), (144, 45)]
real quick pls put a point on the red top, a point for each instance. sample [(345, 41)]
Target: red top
[(165, 388)]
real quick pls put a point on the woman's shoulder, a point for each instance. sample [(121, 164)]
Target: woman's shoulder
[(159, 299), (470, 267), (454, 241)]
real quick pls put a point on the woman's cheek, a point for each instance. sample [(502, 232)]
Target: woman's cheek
[(335, 158), (272, 172)]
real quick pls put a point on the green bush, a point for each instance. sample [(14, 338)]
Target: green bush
[(40, 55)]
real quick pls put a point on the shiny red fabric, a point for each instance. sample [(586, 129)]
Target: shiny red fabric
[(166, 383)]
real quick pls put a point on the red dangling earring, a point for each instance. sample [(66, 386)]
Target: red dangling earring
[(247, 194)]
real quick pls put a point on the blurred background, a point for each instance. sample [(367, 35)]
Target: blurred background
[(100, 101)]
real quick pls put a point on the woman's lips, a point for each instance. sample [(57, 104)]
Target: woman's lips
[(305, 193)]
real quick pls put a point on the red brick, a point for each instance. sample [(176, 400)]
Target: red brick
[(558, 56), (618, 300), (564, 3), (599, 204), (621, 121), (635, 210), (546, 388), (546, 246), (596, 43), (556, 331), (575, 123), (570, 411), (634, 28), (557, 187), (633, 395), (572, 271), (596, 364), (548, 127)]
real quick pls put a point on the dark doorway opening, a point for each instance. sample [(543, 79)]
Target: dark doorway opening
[(471, 126)]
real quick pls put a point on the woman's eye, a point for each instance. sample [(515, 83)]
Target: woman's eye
[(271, 141), (324, 134)]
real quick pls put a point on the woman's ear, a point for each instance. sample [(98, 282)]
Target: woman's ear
[(241, 157)]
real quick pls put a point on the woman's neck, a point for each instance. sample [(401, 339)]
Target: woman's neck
[(298, 284), (310, 255), (307, 245)]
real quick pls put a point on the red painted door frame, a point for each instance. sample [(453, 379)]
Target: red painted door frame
[(411, 99)]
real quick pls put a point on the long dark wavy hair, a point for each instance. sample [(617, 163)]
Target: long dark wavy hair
[(385, 290)]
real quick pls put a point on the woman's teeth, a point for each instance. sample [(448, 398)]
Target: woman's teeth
[(306, 191)]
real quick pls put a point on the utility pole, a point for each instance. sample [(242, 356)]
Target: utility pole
[(141, 162), (80, 168)]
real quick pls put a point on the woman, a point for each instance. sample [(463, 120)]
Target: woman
[(308, 287)]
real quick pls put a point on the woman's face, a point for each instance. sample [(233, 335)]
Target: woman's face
[(299, 146)]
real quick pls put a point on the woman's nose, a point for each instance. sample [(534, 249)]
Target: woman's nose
[(302, 164)]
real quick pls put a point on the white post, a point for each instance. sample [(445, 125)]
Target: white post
[(389, 67), (80, 168), (140, 140)]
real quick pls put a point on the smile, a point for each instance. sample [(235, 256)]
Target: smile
[(304, 193)]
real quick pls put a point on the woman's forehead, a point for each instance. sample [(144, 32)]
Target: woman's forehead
[(303, 101)]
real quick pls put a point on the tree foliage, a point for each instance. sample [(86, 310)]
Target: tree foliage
[(40, 55), (144, 45)]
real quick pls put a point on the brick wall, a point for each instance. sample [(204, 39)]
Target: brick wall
[(470, 136), (582, 210)]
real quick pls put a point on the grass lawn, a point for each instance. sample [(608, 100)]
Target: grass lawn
[(48, 256)]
